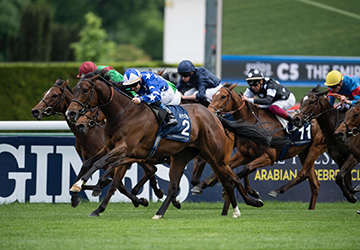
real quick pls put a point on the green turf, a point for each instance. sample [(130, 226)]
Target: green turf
[(277, 225), (291, 27)]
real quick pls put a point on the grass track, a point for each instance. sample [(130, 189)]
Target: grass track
[(277, 225)]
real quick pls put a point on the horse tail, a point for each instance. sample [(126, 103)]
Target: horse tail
[(247, 131), (279, 142)]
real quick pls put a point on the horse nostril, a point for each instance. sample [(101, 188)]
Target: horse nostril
[(340, 136), (35, 113), (80, 128)]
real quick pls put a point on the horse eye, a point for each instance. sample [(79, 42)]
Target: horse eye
[(356, 115), (54, 96), (311, 102), (85, 91), (223, 97)]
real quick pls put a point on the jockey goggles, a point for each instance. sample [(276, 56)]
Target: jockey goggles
[(335, 86), (132, 85), (253, 82)]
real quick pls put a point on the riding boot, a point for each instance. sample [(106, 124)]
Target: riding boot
[(204, 101), (170, 118)]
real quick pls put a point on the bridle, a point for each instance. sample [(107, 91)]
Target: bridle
[(86, 107), (355, 130), (50, 109), (221, 111), (92, 120)]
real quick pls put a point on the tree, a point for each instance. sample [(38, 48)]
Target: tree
[(93, 44)]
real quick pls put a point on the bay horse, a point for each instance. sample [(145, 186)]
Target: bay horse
[(348, 132), (226, 101), (131, 130), (55, 102), (315, 105)]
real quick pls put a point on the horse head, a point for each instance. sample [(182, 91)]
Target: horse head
[(89, 120), (351, 124), (311, 106), (55, 100), (222, 100), (85, 97)]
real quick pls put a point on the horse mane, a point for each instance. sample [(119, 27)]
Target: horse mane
[(91, 74), (67, 86), (169, 76)]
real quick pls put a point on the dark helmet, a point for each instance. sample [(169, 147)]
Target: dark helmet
[(254, 76), (185, 67)]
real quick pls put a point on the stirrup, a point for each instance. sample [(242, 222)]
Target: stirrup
[(171, 121)]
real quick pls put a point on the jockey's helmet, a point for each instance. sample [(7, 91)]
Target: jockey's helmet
[(254, 76), (86, 67), (185, 66), (131, 77), (333, 78)]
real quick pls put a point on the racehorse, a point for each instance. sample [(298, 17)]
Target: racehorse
[(348, 132), (315, 105), (55, 101), (226, 101), (131, 130)]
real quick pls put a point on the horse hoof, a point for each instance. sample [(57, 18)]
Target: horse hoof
[(258, 203), (93, 214), (273, 194), (358, 212), (135, 203), (75, 202), (144, 202), (236, 212), (177, 204), (160, 194), (196, 190), (352, 199), (96, 192), (254, 193), (76, 187), (156, 217), (357, 189)]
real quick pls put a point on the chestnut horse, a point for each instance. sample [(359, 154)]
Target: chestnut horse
[(227, 101), (315, 105), (55, 101), (131, 130)]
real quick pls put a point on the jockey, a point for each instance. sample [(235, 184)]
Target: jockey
[(152, 89), (271, 95), (347, 86), (88, 66), (197, 83)]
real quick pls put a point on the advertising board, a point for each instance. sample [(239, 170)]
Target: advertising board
[(43, 168)]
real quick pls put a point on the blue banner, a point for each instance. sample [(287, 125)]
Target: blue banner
[(303, 71), (43, 168)]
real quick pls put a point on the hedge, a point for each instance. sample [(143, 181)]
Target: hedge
[(24, 84)]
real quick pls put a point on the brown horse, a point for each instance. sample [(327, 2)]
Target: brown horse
[(315, 105), (131, 130), (227, 101), (55, 101), (348, 132)]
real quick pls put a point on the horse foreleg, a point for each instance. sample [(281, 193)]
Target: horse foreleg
[(346, 168), (85, 169)]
